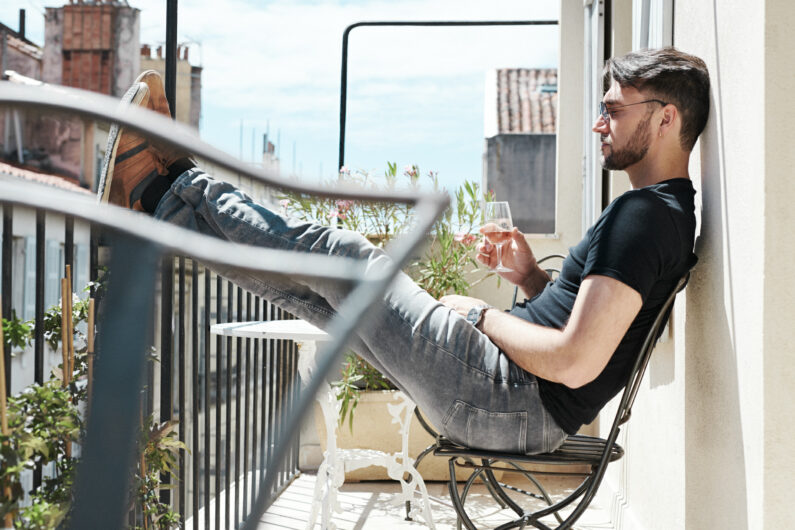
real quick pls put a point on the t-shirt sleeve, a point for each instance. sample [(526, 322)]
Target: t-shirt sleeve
[(633, 243)]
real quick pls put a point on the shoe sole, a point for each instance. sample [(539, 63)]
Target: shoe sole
[(133, 96)]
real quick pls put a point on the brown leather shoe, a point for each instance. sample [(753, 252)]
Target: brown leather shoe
[(157, 91), (131, 161)]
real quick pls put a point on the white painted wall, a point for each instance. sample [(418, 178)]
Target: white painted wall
[(709, 443), (779, 265)]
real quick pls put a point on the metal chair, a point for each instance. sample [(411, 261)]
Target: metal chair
[(139, 244), (580, 455)]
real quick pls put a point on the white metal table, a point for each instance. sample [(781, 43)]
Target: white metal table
[(331, 473)]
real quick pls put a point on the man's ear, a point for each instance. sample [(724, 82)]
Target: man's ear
[(670, 113)]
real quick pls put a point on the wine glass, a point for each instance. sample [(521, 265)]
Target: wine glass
[(497, 229)]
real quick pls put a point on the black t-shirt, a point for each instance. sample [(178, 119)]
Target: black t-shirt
[(643, 239)]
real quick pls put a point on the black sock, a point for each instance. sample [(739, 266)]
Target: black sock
[(162, 183)]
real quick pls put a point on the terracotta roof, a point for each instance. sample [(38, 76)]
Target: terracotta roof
[(527, 100), (64, 183)]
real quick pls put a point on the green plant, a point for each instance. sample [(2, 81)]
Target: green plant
[(445, 267), (45, 420), (16, 333), (159, 455), (357, 375)]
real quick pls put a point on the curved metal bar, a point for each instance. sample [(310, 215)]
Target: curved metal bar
[(166, 131), (492, 484), (398, 23), (452, 486), (507, 501), (177, 240), (529, 476), (353, 312), (424, 423)]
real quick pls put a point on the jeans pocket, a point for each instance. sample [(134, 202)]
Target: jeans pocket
[(482, 429)]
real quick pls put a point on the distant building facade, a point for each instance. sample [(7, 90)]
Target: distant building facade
[(189, 81), (92, 45), (520, 143)]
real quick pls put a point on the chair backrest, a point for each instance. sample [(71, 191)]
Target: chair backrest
[(639, 370), (630, 392), (552, 271)]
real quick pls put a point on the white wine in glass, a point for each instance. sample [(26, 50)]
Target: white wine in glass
[(497, 229)]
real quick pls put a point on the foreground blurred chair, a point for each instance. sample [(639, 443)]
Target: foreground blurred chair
[(580, 455), (139, 245)]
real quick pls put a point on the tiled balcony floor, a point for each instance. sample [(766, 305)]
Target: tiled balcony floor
[(370, 506)]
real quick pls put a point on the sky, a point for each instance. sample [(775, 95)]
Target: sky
[(415, 95)]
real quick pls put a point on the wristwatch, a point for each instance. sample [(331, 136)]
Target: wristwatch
[(475, 315)]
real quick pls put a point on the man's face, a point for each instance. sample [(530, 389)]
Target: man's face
[(626, 136)]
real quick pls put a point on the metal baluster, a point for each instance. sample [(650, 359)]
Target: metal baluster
[(166, 355), (69, 249), (218, 400), (264, 406), (246, 417), (183, 410), (279, 400), (228, 444), (296, 395), (194, 387), (38, 348), (5, 283), (270, 465), (207, 404), (255, 454), (238, 375)]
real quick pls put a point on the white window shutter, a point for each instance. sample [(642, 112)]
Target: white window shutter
[(652, 23), (29, 292)]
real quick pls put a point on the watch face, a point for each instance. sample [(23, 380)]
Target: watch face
[(473, 316)]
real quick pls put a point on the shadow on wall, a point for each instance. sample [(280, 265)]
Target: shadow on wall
[(715, 479)]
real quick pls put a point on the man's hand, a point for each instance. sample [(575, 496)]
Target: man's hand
[(517, 255), (461, 304)]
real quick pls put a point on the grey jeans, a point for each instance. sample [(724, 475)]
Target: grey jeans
[(462, 382)]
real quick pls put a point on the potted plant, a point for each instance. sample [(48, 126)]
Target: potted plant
[(446, 266)]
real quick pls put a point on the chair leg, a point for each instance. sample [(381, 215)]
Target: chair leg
[(492, 484), (538, 485), (504, 496), (457, 504)]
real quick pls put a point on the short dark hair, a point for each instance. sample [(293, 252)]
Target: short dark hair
[(672, 76)]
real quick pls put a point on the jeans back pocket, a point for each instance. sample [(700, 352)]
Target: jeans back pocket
[(482, 429)]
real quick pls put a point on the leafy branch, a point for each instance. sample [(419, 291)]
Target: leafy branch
[(445, 267)]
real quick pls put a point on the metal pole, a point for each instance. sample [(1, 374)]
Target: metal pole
[(432, 23), (5, 281), (171, 56), (167, 267)]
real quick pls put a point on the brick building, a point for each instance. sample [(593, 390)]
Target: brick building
[(92, 45)]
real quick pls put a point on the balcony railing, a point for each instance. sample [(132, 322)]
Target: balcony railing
[(229, 397)]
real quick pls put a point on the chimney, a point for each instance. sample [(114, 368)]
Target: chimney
[(146, 51), (22, 24), (186, 53), (159, 52)]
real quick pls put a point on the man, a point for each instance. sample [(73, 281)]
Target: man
[(519, 381)]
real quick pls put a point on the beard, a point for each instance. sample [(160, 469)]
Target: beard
[(633, 152)]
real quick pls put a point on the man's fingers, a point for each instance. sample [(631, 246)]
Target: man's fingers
[(519, 239)]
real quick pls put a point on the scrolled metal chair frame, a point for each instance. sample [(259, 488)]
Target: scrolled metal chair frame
[(578, 450), (138, 244)]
